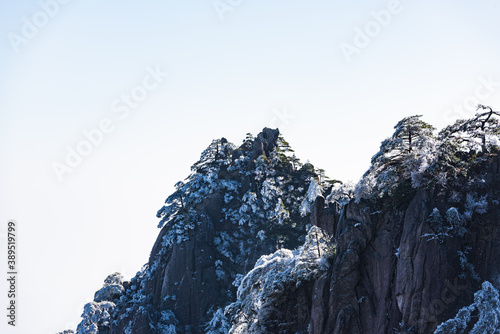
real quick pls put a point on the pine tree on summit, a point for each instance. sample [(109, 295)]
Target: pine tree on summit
[(473, 134), (215, 154), (468, 142), (201, 182), (412, 131), (412, 134), (408, 150)]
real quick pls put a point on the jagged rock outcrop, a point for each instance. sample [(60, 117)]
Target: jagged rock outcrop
[(390, 273), (237, 205), (415, 252), (401, 252)]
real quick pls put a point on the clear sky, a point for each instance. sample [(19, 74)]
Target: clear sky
[(334, 76)]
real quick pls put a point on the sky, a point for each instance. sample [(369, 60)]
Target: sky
[(104, 106)]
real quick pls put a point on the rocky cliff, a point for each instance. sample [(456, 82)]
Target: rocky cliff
[(253, 241), (392, 273)]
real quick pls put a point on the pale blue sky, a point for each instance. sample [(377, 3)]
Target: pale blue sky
[(226, 78)]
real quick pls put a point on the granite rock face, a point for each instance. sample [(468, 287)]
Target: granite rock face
[(219, 229), (402, 263), (391, 274)]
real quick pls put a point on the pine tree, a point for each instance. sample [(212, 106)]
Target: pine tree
[(295, 161), (404, 156), (472, 134), (283, 150), (436, 222), (249, 137), (487, 304), (412, 132), (467, 142), (173, 204), (217, 153)]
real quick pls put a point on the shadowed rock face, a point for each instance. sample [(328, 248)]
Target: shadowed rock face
[(185, 279), (189, 275), (390, 272), (387, 275), (187, 269)]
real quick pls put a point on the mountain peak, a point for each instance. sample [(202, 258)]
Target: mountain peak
[(253, 241)]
